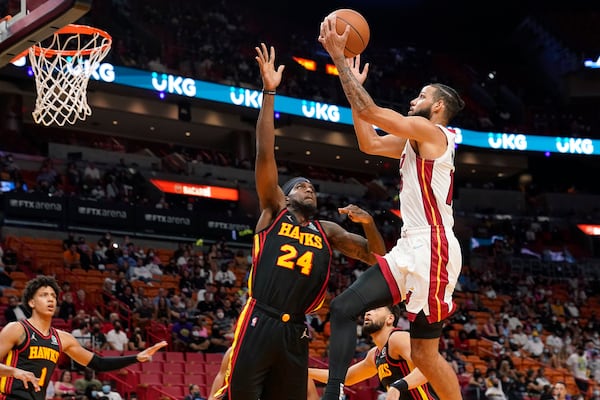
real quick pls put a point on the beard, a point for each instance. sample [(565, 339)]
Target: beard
[(425, 113), (308, 210), (374, 326)]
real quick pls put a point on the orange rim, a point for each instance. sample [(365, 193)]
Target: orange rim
[(73, 29)]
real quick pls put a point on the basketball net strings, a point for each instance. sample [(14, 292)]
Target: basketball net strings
[(61, 81)]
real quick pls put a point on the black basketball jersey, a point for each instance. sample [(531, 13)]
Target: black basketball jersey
[(291, 265), (390, 370), (37, 354)]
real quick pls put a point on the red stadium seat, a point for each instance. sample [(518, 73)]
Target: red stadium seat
[(153, 367), (150, 379), (177, 392), (195, 357), (174, 356), (213, 358), (173, 379)]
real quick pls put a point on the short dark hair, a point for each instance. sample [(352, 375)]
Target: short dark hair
[(451, 99), (395, 310), (36, 283)]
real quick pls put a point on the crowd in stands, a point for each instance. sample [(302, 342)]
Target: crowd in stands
[(211, 41), (548, 318)]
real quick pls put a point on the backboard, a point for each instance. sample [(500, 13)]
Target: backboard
[(31, 21)]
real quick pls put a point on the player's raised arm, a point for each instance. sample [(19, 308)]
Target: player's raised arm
[(79, 354), (270, 196)]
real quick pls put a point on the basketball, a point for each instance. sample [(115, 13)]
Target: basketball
[(359, 30)]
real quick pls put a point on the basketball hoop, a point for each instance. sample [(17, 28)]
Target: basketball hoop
[(62, 70)]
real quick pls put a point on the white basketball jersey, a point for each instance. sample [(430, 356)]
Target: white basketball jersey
[(426, 187)]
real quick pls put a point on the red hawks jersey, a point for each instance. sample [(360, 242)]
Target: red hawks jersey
[(426, 187)]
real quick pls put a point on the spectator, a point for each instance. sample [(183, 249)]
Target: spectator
[(489, 330), (68, 241), (206, 299), (554, 343), (218, 342), (559, 391), (64, 387), (177, 307), (86, 384), (98, 337), (108, 393), (15, 310), (91, 176), (127, 297), (73, 177), (71, 257), (493, 387), (66, 310), (50, 392), (470, 327), (518, 337), (577, 363), (461, 343), (199, 340), (181, 333), (476, 387), (141, 272), (534, 346), (137, 342), (162, 294), (144, 311), (5, 279), (116, 337), (194, 393), (162, 311), (222, 321), (83, 335), (547, 393), (81, 304), (540, 382), (225, 276)]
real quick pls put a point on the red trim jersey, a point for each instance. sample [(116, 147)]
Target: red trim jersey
[(291, 265), (37, 354), (390, 370)]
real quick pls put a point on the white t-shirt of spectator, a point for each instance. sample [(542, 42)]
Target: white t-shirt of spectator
[(534, 346), (578, 365), (225, 277), (84, 339), (117, 340)]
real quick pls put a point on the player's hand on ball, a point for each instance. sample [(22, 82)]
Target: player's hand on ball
[(329, 38)]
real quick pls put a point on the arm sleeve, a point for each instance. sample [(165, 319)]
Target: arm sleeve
[(102, 364)]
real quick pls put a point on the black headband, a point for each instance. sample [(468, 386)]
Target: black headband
[(289, 185)]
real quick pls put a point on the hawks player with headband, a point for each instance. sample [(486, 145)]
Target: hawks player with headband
[(292, 257), (424, 266), (31, 348)]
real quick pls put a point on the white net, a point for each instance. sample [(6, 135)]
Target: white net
[(62, 70)]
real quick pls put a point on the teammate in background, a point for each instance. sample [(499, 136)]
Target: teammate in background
[(389, 359), (32, 347), (292, 257), (311, 394), (424, 266)]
